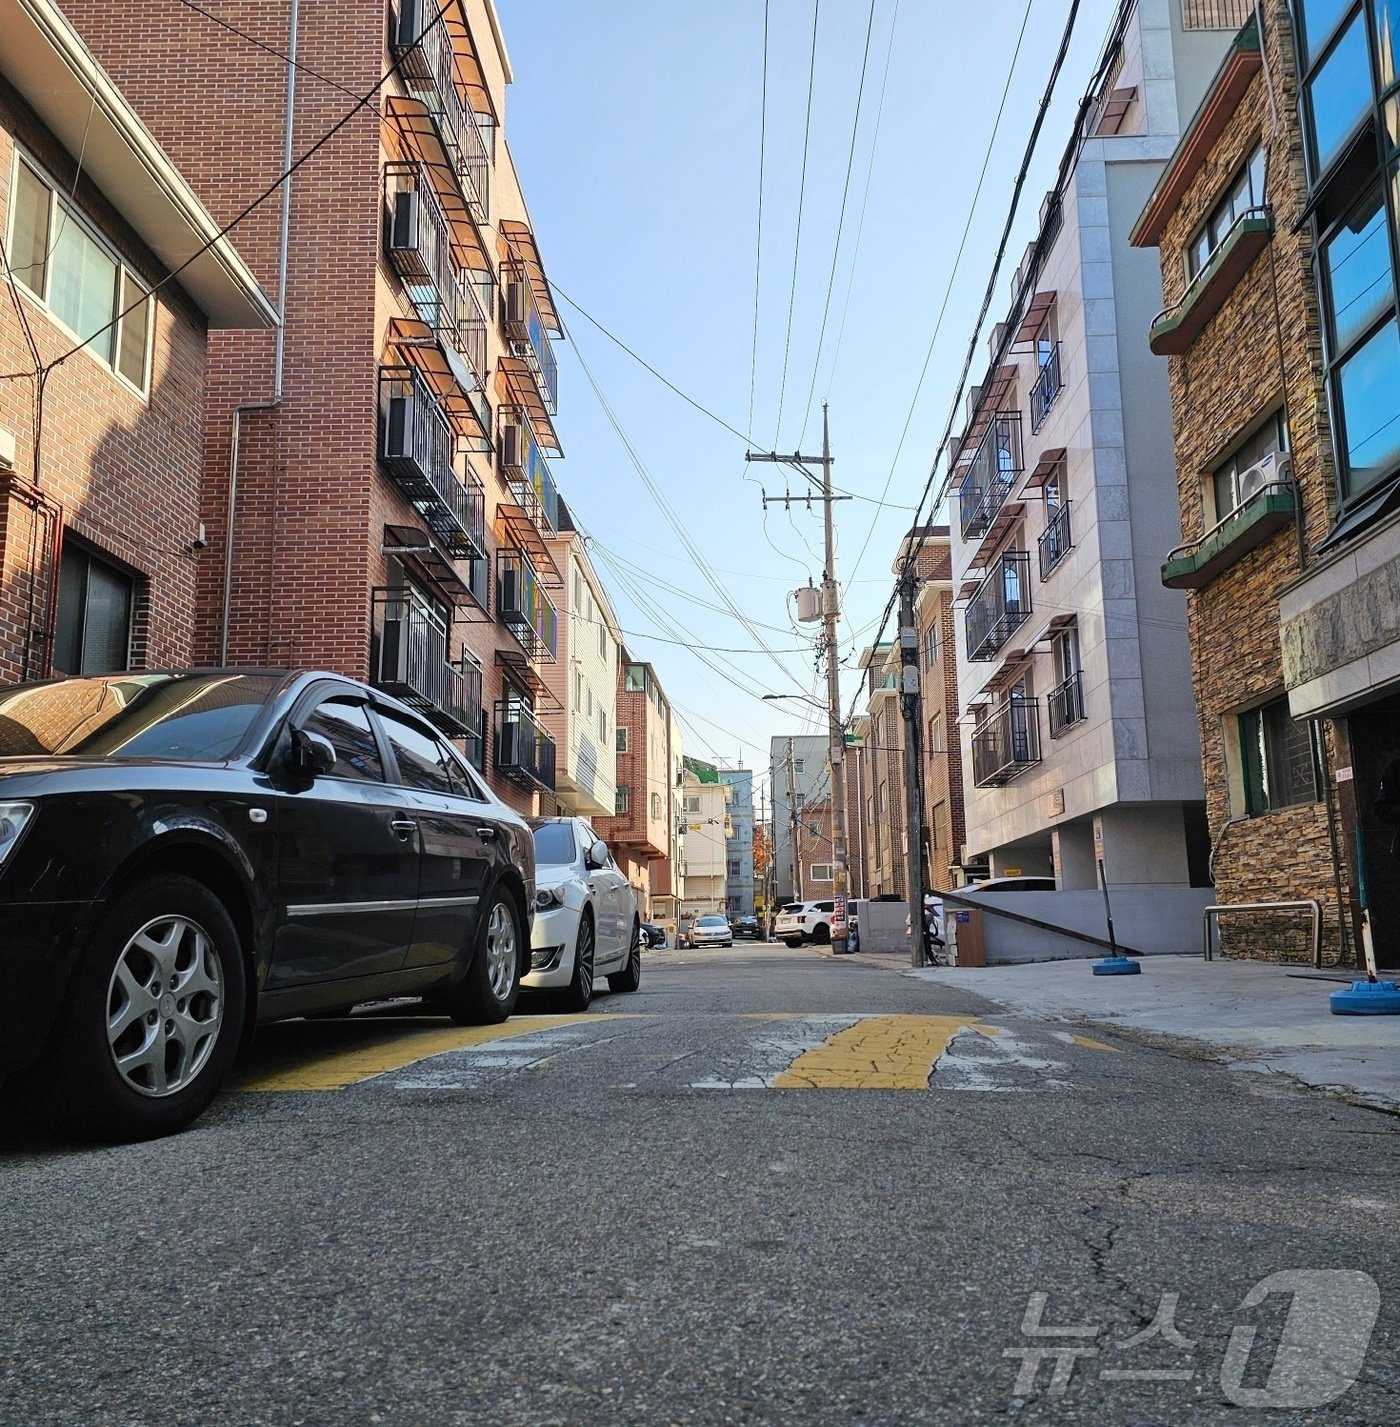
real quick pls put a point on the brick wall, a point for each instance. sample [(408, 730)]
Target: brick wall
[(119, 470), (1262, 347)]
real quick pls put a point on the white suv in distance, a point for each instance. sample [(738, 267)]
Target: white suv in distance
[(586, 921), (805, 921)]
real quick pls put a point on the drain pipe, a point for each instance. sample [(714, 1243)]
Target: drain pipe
[(280, 339)]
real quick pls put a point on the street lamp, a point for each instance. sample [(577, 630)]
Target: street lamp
[(815, 703)]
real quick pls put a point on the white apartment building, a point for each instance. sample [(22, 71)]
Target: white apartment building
[(1079, 733), (705, 818), (582, 718)]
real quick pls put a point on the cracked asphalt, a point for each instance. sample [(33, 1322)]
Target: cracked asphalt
[(631, 1219)]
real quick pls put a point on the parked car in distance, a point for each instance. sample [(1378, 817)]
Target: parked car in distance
[(586, 922), (653, 935), (800, 922), (711, 931), (747, 927), (186, 854), (1009, 884)]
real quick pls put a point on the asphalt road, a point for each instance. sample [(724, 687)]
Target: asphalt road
[(738, 1196)]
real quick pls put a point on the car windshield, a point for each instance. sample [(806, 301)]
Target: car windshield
[(711, 922), (554, 844), (200, 718)]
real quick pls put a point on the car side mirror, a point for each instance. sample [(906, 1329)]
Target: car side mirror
[(312, 754), (598, 854)]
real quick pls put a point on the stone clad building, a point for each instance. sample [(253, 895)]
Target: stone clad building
[(1255, 477)]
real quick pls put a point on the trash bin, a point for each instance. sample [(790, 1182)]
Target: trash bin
[(964, 935)]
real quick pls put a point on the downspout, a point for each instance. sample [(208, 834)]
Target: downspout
[(279, 340)]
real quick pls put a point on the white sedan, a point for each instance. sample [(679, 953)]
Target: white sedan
[(711, 931), (586, 921)]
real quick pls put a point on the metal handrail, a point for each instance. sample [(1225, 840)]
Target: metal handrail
[(1309, 903), (1279, 484), (1203, 274)]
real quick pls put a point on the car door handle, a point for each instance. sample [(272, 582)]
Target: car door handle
[(403, 826), (488, 834)]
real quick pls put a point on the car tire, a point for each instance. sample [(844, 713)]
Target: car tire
[(107, 1072), (578, 994), (630, 977), (793, 941), (487, 994), (822, 935)]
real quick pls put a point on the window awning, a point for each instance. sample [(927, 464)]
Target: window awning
[(1115, 107), (523, 389), (420, 142), (514, 662), (990, 396), (522, 245), (1044, 468), (415, 548), (452, 382), (1034, 318), (519, 531), (997, 532), (470, 75)]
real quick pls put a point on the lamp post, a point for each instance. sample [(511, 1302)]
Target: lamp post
[(840, 944)]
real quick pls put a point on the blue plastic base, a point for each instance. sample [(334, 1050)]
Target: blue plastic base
[(1116, 966), (1367, 998)]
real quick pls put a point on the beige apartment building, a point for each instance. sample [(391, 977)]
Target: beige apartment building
[(377, 495)]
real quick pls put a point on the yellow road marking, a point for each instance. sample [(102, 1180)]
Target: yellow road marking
[(1093, 1044), (347, 1067), (880, 1053)]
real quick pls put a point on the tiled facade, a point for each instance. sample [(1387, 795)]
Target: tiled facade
[(739, 873), (100, 550), (799, 772)]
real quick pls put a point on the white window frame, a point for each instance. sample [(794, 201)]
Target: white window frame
[(624, 736), (820, 872), (61, 204)]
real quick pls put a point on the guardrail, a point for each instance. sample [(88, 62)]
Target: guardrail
[(1308, 903)]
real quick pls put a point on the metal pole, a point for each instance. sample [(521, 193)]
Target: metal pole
[(913, 774), (831, 611), (1107, 910), (794, 849)]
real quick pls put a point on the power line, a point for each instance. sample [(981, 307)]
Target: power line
[(758, 243), (797, 239), (952, 276), (361, 103), (840, 225)]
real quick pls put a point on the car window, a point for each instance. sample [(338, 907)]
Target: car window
[(418, 755), (345, 725), (826, 906), (554, 844), (711, 922), (465, 782)]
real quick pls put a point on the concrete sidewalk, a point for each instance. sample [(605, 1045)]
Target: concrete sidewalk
[(1254, 1015)]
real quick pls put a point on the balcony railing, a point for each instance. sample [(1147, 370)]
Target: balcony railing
[(991, 475), (525, 328), (430, 72), (1066, 703), (524, 751), (1215, 14), (1006, 743), (1046, 389), (1001, 603), (1055, 541), (416, 448), (408, 658), (523, 606), (527, 472)]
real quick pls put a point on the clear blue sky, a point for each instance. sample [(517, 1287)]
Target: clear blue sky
[(635, 126)]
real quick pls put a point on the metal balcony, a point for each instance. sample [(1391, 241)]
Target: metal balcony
[(992, 474), (408, 658), (527, 472), (416, 449), (1006, 743), (524, 751), (523, 606), (524, 327), (1066, 704), (429, 71), (1046, 389), (1001, 603), (1055, 542)]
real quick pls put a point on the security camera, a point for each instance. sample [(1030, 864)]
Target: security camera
[(199, 542)]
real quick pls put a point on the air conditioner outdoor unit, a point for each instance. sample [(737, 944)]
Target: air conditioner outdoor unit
[(512, 744), (512, 445), (508, 596), (403, 221), (513, 295), (398, 429), (1277, 466)]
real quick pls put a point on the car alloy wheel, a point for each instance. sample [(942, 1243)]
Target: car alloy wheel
[(579, 992), (501, 951), (487, 993), (165, 1005)]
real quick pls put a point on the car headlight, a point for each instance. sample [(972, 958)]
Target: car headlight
[(547, 898), (13, 818)]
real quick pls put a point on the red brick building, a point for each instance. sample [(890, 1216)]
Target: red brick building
[(100, 464), (378, 495)]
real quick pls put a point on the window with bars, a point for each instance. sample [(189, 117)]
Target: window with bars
[(1276, 759)]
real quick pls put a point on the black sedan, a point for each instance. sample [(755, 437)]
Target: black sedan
[(653, 935), (184, 855)]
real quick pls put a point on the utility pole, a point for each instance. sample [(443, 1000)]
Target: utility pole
[(830, 612), (794, 842), (913, 773)]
